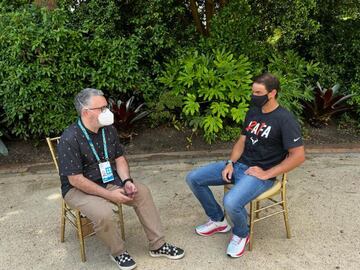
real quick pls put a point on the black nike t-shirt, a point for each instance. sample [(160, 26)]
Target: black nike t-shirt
[(269, 136)]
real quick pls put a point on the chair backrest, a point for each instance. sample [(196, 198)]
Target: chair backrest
[(52, 143)]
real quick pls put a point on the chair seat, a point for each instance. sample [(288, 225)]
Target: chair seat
[(272, 191), (278, 188)]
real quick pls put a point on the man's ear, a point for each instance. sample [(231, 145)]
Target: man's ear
[(273, 93), (84, 112)]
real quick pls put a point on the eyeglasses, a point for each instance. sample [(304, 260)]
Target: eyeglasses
[(102, 109)]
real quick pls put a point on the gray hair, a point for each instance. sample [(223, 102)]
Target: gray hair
[(83, 98)]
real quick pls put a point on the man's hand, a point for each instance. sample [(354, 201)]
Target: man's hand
[(227, 173), (130, 189), (257, 172), (118, 196)]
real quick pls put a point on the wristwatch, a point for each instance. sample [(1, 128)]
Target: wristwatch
[(126, 180), (229, 161)]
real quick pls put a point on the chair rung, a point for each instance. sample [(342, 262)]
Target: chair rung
[(263, 208), (68, 212), (273, 200), (273, 214), (90, 234), (71, 222)]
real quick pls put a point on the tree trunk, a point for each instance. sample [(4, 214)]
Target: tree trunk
[(49, 4), (209, 12), (195, 14)]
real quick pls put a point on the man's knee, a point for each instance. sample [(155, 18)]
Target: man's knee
[(143, 190), (191, 179), (104, 216), (231, 204)]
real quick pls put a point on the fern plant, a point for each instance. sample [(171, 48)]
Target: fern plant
[(213, 87)]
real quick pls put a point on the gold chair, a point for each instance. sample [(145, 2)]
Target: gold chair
[(81, 223), (279, 188)]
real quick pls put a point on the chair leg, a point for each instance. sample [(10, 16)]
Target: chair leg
[(80, 234), (121, 220), (286, 215), (226, 189), (257, 208), (252, 217), (62, 222)]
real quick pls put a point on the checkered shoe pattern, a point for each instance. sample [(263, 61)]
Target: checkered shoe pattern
[(168, 251), (124, 261)]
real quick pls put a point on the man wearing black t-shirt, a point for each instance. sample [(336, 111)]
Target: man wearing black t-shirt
[(95, 174), (270, 144)]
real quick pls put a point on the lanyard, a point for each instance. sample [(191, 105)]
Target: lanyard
[(91, 143)]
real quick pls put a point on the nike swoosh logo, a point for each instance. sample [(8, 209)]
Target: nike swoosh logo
[(295, 140)]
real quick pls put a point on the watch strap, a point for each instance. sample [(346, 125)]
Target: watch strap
[(229, 161)]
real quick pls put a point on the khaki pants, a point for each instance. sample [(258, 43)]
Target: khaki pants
[(101, 212)]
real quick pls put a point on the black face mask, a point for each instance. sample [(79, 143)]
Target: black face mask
[(259, 101)]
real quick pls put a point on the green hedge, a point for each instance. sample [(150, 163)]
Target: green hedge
[(46, 57), (44, 63)]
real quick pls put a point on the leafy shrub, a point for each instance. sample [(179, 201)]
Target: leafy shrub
[(213, 87), (233, 29), (40, 67), (44, 63), (326, 103), (349, 123), (156, 33), (355, 99), (296, 79), (229, 133), (286, 24), (337, 46), (46, 57)]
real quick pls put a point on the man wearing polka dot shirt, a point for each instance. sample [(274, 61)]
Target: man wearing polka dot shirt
[(95, 174)]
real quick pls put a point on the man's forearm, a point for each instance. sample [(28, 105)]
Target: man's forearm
[(122, 168), (238, 149), (85, 185), (294, 159)]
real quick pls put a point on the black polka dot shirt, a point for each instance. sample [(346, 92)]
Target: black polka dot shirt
[(75, 155)]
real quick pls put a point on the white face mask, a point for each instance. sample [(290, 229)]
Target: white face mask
[(106, 118)]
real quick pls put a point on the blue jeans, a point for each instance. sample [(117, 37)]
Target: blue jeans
[(245, 189)]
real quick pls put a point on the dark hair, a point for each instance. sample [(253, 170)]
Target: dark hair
[(269, 81)]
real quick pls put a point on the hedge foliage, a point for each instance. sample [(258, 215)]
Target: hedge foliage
[(44, 64), (46, 57), (125, 47)]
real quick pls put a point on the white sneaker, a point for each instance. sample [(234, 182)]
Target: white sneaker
[(211, 227), (237, 246)]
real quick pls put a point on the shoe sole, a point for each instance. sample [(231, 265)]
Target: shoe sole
[(123, 267), (238, 255), (223, 229), (177, 257)]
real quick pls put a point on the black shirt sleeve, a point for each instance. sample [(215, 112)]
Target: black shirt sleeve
[(69, 157), (291, 132)]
